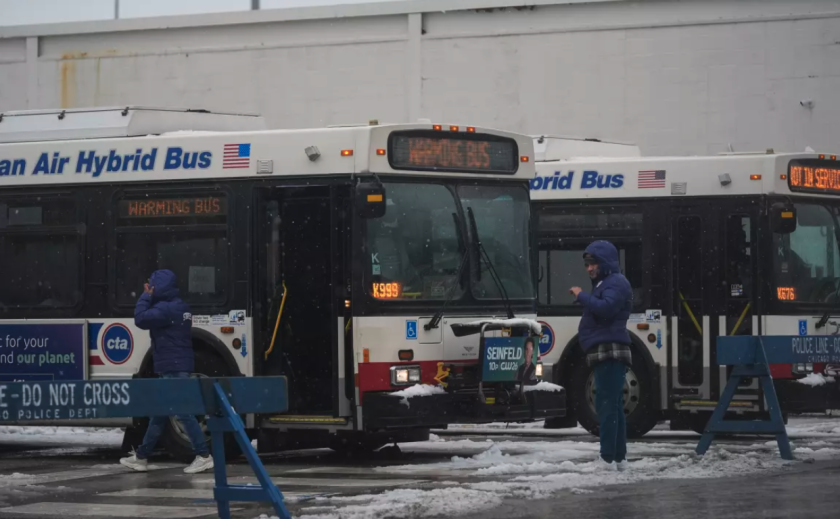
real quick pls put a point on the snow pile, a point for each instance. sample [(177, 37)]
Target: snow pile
[(815, 379), (544, 386), (417, 390), (98, 437), (534, 326), (444, 502), (536, 479)]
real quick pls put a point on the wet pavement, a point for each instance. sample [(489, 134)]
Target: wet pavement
[(470, 473), (809, 491)]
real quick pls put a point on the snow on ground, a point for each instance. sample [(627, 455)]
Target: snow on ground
[(480, 474), (64, 436)]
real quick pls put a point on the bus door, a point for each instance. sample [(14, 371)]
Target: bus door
[(300, 269), (738, 280), (714, 294), (695, 269)]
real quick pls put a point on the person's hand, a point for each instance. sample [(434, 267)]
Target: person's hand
[(147, 289), (575, 291)]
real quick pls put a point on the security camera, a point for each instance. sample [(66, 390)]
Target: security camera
[(807, 103)]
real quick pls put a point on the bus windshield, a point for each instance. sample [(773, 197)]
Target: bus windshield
[(416, 248), (807, 261)]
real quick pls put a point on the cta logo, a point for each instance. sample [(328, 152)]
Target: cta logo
[(117, 344), (546, 339)]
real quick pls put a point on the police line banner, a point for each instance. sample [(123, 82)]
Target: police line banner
[(69, 400)]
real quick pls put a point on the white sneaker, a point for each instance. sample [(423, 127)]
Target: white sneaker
[(602, 465), (133, 462), (199, 464), (622, 465)]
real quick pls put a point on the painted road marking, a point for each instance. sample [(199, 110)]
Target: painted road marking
[(185, 493), (317, 482), (100, 510)]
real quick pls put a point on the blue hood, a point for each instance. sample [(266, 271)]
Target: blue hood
[(606, 255), (165, 285)]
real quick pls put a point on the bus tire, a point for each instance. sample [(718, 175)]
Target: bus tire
[(175, 439), (638, 402)]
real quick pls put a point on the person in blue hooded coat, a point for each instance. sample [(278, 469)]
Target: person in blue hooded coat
[(603, 335), (162, 312)]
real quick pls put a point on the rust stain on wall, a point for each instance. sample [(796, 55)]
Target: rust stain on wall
[(68, 83)]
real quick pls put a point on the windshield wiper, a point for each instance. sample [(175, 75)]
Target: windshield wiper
[(481, 253), (434, 322)]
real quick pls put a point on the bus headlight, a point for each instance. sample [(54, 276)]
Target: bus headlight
[(801, 369), (405, 375), (539, 370)]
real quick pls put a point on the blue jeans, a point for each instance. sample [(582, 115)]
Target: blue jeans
[(157, 424), (609, 396)]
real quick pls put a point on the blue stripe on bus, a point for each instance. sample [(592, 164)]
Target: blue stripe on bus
[(93, 335)]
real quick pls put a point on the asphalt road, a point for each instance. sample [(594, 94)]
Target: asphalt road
[(48, 479)]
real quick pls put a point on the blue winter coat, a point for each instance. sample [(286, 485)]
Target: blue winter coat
[(607, 308), (168, 320)]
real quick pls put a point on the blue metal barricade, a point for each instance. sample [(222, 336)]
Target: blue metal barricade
[(222, 400), (751, 356)]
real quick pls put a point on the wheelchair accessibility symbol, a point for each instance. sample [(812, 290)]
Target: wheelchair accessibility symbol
[(411, 330)]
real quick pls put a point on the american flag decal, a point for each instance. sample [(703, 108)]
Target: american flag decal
[(236, 156), (652, 179)]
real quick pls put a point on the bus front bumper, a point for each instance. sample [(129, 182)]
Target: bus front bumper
[(384, 411), (795, 397)]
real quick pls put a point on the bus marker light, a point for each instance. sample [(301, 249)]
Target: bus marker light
[(783, 176), (227, 329), (380, 152), (346, 153), (834, 157), (787, 214), (643, 326), (755, 177), (366, 355), (470, 129), (374, 198), (406, 355), (453, 128), (822, 156), (524, 158), (437, 127)]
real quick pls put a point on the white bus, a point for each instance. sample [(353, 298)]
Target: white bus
[(706, 246), (344, 258)]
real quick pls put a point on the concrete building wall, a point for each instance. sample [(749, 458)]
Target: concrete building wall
[(688, 77)]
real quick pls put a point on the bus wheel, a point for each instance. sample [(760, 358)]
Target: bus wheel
[(175, 438), (638, 405)]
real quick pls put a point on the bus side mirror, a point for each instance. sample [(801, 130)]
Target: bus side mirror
[(370, 200), (782, 218)]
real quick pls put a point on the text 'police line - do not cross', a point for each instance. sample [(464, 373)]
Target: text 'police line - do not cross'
[(216, 398)]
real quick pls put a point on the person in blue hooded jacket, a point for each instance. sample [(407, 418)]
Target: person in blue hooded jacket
[(168, 319), (603, 335)]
